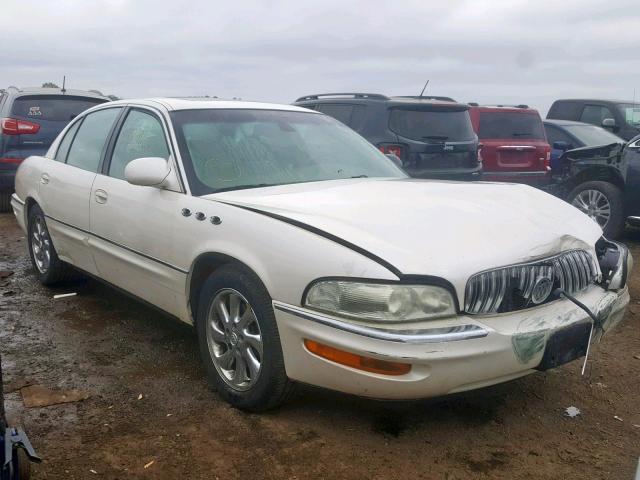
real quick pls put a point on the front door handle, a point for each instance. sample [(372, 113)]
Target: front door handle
[(44, 178), (101, 196)]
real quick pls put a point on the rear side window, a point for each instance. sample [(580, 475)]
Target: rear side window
[(63, 148), (554, 134), (88, 144), (510, 125), (350, 115), (141, 136), (428, 125), (57, 108)]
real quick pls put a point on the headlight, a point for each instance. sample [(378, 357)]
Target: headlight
[(616, 263), (380, 302)]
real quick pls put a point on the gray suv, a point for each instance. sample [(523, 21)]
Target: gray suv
[(617, 116), (432, 136)]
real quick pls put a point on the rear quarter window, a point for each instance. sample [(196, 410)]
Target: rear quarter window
[(350, 115), (510, 125), (425, 125), (58, 108)]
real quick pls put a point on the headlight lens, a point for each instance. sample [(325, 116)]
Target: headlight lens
[(380, 302)]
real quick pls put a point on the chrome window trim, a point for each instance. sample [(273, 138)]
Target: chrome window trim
[(427, 335)]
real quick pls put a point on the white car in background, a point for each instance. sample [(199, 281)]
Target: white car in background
[(301, 253)]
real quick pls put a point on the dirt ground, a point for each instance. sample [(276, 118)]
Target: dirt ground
[(117, 349)]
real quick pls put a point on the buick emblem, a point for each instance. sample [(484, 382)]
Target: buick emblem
[(541, 290)]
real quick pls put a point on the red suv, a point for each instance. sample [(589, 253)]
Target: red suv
[(514, 144)]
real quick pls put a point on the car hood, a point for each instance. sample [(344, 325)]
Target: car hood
[(446, 229)]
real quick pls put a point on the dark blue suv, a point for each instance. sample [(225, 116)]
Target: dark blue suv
[(432, 136), (30, 120)]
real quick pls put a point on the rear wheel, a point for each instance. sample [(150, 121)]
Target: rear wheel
[(5, 202), (603, 203), (239, 340), (49, 268)]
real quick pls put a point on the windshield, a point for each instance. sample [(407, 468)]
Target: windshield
[(591, 135), (630, 113), (510, 125), (234, 149), (432, 125)]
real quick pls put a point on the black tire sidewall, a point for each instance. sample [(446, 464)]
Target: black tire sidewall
[(55, 264), (272, 384), (616, 222)]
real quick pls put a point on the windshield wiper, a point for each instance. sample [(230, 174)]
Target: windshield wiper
[(360, 176), (244, 187), (521, 134)]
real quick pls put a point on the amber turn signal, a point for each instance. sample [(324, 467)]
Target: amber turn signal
[(352, 360)]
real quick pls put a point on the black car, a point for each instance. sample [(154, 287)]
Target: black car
[(432, 136), (596, 172), (618, 116), (30, 120)]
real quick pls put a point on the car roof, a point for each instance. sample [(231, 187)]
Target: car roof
[(562, 123), (359, 98), (593, 100), (56, 91), (204, 103)]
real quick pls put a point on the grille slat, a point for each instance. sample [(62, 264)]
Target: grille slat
[(510, 288)]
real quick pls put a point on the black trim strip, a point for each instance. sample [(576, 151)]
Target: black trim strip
[(168, 265), (324, 234)]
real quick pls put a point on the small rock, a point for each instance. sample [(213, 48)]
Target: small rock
[(5, 273)]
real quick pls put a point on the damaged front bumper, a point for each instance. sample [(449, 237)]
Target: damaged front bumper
[(451, 355)]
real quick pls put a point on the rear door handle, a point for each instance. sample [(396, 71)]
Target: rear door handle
[(44, 178), (101, 196)]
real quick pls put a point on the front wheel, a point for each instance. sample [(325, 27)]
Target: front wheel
[(239, 340), (603, 203)]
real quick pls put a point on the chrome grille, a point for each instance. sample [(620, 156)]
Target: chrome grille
[(511, 288)]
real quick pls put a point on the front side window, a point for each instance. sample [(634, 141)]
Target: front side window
[(445, 125), (141, 135), (631, 113), (510, 125), (89, 142), (595, 114), (234, 149)]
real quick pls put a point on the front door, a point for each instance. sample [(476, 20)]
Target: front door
[(134, 242)]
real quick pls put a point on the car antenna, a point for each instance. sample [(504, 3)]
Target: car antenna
[(64, 81), (424, 88)]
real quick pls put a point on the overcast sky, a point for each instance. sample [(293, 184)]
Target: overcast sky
[(491, 52)]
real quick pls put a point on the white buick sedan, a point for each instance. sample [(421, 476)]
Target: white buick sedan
[(301, 253)]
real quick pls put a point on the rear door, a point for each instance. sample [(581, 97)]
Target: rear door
[(514, 144), (66, 181), (435, 141)]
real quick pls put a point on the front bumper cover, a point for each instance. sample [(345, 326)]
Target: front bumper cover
[(450, 355)]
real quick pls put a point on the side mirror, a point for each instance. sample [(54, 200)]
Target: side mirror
[(147, 171), (394, 158), (609, 123), (564, 146)]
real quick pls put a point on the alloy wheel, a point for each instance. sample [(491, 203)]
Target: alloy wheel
[(595, 204), (41, 245), (234, 339)]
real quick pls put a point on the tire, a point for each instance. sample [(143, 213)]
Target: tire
[(222, 343), (5, 202), (49, 268), (596, 194)]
